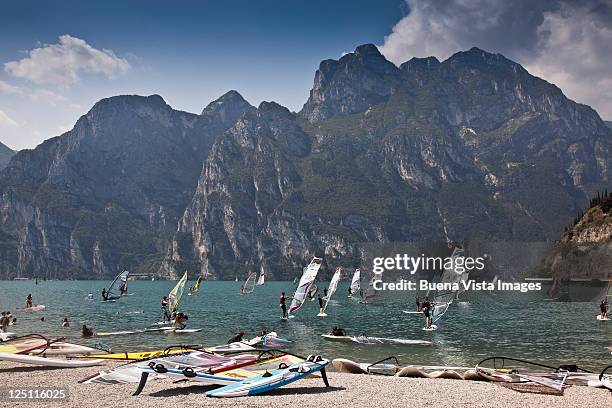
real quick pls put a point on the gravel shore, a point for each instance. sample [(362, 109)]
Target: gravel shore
[(346, 389)]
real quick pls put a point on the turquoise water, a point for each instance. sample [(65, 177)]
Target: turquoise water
[(512, 325)]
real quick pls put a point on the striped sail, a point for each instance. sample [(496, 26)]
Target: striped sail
[(306, 281)]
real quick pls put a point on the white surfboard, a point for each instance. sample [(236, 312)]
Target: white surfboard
[(433, 327), (49, 362), (602, 319)]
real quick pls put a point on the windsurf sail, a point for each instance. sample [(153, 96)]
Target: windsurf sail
[(175, 295), (193, 289), (249, 285), (118, 286), (262, 278), (333, 285), (356, 282), (306, 282), (442, 299)]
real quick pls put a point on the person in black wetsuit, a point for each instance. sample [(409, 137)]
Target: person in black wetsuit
[(603, 306), (325, 292), (282, 305), (29, 301), (426, 309), (236, 338), (320, 299), (166, 312), (336, 331), (87, 332), (104, 294), (418, 304)]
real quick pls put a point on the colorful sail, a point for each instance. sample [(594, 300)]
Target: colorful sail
[(118, 286), (175, 295), (356, 282), (249, 284), (333, 285), (306, 281), (196, 286), (442, 299)]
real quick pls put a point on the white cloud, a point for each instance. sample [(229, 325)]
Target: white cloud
[(46, 96), (7, 121), (61, 64), (7, 88), (565, 42)]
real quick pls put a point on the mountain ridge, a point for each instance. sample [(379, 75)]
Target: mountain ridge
[(472, 147)]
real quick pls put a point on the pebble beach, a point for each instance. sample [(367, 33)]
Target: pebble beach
[(346, 389)]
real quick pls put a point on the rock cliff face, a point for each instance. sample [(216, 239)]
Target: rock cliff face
[(5, 155), (585, 249), (107, 194), (473, 147)]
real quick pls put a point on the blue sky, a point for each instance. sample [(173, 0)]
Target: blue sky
[(190, 52), (57, 58)]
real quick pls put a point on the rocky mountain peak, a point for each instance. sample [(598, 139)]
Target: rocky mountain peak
[(228, 108), (5, 155), (350, 85)]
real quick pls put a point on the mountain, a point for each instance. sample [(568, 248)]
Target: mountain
[(5, 155), (470, 148), (473, 147), (107, 194)]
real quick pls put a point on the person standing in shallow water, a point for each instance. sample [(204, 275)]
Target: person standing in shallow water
[(282, 305)]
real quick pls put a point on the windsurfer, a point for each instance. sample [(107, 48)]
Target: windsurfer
[(65, 322), (320, 299), (4, 321), (418, 304), (325, 293), (603, 306), (283, 307), (350, 292), (237, 338), (29, 300), (87, 331), (164, 305), (180, 322), (426, 309), (337, 331), (104, 294)]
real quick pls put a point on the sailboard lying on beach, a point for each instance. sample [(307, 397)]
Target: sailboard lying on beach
[(513, 370), (48, 362), (271, 380), (305, 284)]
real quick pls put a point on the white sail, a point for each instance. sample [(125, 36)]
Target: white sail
[(306, 281), (249, 284), (356, 282), (333, 285), (443, 299), (262, 278)]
